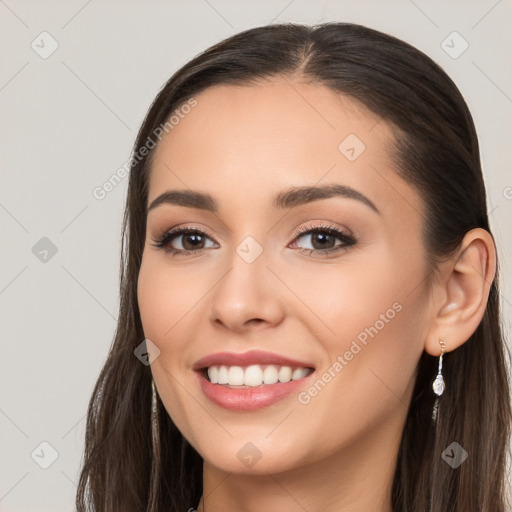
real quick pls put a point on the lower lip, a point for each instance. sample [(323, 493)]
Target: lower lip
[(249, 399)]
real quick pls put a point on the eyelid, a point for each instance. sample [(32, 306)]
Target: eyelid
[(299, 231), (165, 238), (303, 230), (187, 227)]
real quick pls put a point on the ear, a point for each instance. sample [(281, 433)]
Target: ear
[(461, 291)]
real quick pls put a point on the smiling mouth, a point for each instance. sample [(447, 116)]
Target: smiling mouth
[(253, 376)]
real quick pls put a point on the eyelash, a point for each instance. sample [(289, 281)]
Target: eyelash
[(163, 241)]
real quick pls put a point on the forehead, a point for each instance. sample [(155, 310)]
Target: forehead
[(257, 140), (270, 116)]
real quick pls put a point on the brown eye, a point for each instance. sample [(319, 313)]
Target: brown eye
[(322, 239), (191, 241), (183, 241)]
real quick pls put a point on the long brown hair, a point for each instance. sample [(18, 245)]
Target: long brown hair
[(436, 149)]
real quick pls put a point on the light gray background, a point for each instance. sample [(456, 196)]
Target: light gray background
[(68, 123)]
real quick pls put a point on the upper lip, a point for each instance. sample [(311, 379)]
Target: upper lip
[(247, 358)]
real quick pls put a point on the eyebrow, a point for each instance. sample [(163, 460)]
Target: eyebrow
[(292, 197)]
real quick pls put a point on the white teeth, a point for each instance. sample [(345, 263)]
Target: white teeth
[(299, 373), (254, 375), (285, 374), (235, 376), (222, 374), (270, 375)]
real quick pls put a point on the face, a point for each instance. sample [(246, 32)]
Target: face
[(336, 282)]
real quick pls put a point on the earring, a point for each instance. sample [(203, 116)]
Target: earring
[(155, 445), (155, 434), (438, 385), (154, 416)]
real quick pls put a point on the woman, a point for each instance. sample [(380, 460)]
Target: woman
[(309, 300)]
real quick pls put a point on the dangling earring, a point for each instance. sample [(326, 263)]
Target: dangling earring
[(154, 415), (438, 385), (155, 444)]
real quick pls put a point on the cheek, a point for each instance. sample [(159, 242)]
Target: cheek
[(343, 299), (367, 316), (165, 297)]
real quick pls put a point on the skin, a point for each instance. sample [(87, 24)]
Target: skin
[(242, 145)]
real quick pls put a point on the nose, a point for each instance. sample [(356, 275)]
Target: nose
[(247, 297)]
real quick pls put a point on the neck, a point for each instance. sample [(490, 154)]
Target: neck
[(356, 478)]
